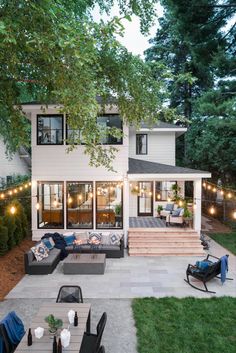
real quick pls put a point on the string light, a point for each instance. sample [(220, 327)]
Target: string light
[(37, 206), (180, 203), (2, 196), (229, 195), (15, 191), (212, 210), (70, 200), (150, 193), (204, 184), (214, 189), (10, 192), (222, 192), (13, 210), (158, 196), (194, 206), (234, 214), (209, 187), (55, 203), (168, 199)]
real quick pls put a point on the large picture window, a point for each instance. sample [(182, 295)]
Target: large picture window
[(50, 202), (107, 122), (50, 129), (141, 144), (80, 205), (109, 205), (164, 190)]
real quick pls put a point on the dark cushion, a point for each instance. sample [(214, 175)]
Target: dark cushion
[(169, 207)]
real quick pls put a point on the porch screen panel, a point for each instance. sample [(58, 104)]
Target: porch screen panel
[(80, 205), (50, 200), (164, 190), (109, 202)]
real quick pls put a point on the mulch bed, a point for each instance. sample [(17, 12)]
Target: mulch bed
[(12, 267)]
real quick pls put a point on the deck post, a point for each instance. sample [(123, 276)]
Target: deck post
[(126, 210), (198, 205)]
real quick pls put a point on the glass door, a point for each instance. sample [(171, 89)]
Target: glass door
[(145, 198)]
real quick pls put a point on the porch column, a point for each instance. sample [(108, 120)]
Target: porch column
[(126, 209), (198, 204)]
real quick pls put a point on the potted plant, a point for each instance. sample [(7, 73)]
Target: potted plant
[(176, 189), (53, 323), (118, 214), (159, 209)]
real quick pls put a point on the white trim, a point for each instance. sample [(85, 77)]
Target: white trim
[(165, 129), (170, 176)]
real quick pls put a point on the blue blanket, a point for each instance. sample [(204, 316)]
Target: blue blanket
[(223, 268), (14, 328), (59, 243)]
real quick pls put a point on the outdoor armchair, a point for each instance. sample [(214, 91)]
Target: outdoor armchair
[(208, 272), (167, 210)]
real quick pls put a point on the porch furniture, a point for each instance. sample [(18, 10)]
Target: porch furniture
[(167, 210), (84, 264), (70, 294), (174, 220), (101, 350), (11, 332), (205, 274), (43, 267), (59, 310), (6, 344), (91, 342)]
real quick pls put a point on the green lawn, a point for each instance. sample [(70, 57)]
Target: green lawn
[(227, 240), (189, 325)]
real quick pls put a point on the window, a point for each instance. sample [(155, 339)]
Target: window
[(50, 129), (50, 201), (164, 190), (107, 122), (80, 205), (109, 205), (141, 144)]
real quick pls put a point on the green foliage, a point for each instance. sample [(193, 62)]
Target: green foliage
[(185, 325), (52, 51), (187, 212), (3, 238), (10, 224), (227, 240), (159, 209), (211, 145), (118, 209), (176, 190), (53, 322)]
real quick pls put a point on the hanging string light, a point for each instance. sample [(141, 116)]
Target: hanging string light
[(212, 210), (12, 210), (234, 214)]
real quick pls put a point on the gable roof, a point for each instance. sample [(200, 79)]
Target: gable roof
[(137, 166)]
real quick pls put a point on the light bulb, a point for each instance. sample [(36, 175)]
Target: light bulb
[(150, 193), (229, 195), (29, 183), (212, 210), (15, 191), (194, 206), (91, 194), (168, 199), (37, 206), (214, 189), (180, 203), (234, 214), (26, 185), (158, 196), (70, 200), (204, 185), (2, 196), (10, 192), (222, 192), (209, 187), (21, 188), (55, 203), (13, 210)]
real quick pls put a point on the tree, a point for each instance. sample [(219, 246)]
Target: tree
[(52, 51)]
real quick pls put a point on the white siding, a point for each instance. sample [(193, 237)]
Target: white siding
[(16, 165), (161, 146)]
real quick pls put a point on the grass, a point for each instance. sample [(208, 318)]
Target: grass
[(227, 240), (188, 325)]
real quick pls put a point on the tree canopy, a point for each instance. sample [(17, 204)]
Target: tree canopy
[(196, 41), (53, 51)]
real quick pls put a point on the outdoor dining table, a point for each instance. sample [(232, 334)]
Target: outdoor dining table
[(60, 311)]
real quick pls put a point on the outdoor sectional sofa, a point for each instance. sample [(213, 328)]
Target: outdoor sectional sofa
[(47, 265)]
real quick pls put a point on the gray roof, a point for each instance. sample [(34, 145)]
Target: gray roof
[(160, 125), (137, 166)]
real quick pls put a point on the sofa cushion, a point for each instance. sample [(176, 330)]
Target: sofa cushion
[(53, 255), (109, 247), (169, 207), (114, 238), (40, 251), (94, 238), (69, 239), (49, 243)]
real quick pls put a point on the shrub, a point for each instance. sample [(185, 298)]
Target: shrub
[(9, 222), (3, 238)]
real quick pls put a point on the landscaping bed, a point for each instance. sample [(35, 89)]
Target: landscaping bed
[(12, 267), (187, 325), (227, 240)]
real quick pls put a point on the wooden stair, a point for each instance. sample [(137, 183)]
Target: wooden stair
[(164, 242)]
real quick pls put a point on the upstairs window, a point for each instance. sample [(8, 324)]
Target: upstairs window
[(107, 122), (50, 129), (141, 144)]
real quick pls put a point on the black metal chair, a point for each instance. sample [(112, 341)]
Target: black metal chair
[(214, 270), (7, 345), (70, 294), (91, 342)]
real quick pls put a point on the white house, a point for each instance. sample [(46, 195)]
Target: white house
[(20, 163), (69, 194)]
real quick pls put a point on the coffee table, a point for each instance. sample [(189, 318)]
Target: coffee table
[(84, 264)]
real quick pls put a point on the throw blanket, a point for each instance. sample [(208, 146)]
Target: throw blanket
[(59, 243), (223, 268), (14, 328)]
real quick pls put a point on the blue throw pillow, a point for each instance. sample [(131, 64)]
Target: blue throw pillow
[(169, 207), (176, 213), (203, 265), (47, 243), (69, 239)]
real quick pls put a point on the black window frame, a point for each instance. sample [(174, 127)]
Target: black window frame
[(62, 130), (112, 115), (63, 201), (67, 190), (122, 212), (137, 152)]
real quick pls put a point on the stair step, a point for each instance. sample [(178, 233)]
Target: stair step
[(168, 250), (168, 254), (165, 245), (162, 240)]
